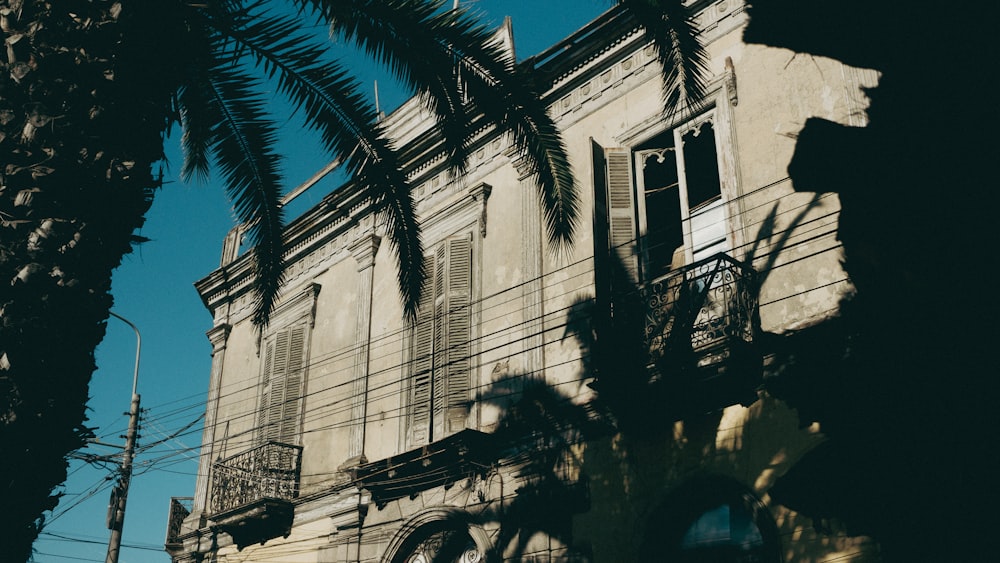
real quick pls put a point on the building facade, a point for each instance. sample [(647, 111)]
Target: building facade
[(603, 402)]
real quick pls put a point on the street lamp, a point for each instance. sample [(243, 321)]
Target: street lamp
[(116, 515)]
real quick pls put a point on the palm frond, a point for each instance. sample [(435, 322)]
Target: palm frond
[(509, 97), (423, 43), (674, 34), (192, 101), (241, 143), (400, 35), (332, 104)]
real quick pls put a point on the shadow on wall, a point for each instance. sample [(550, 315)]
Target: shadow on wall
[(898, 381), (638, 468)]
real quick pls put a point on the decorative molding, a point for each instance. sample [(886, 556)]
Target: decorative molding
[(348, 511), (218, 336), (625, 63), (532, 267), (522, 165), (481, 194), (734, 98), (301, 305), (364, 250), (447, 517), (718, 18), (231, 245)]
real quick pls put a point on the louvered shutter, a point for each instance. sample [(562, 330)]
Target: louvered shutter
[(265, 394), (421, 361), (277, 396), (292, 394), (439, 376), (621, 210), (458, 334), (284, 362)]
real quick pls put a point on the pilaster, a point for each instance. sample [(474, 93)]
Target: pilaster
[(531, 290), (218, 336), (364, 251)]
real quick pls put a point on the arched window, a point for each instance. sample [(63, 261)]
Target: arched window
[(711, 520), (439, 535), (445, 546)]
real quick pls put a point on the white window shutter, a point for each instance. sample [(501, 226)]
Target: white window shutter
[(621, 210), (439, 377)]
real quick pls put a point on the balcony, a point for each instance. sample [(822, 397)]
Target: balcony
[(703, 312), (699, 326), (180, 508), (465, 453), (252, 492)]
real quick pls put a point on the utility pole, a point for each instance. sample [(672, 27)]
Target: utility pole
[(116, 508)]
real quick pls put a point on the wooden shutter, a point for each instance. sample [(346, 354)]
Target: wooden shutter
[(292, 395), (422, 361), (263, 428), (284, 362), (439, 390), (621, 211), (439, 375), (458, 334), (602, 245)]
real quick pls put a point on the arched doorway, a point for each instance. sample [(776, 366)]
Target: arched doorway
[(442, 535), (445, 546), (711, 520)]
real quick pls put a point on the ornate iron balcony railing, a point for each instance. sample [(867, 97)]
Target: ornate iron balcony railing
[(269, 471), (180, 508), (701, 311)]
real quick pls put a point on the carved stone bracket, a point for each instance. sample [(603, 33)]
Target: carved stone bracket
[(481, 194), (218, 336), (348, 511), (734, 98), (364, 250)]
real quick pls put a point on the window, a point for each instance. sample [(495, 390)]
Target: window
[(281, 384), (441, 345), (712, 519), (661, 202), (446, 546)]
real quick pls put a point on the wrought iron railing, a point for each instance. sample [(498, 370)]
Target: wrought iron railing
[(269, 471), (701, 311), (180, 508)]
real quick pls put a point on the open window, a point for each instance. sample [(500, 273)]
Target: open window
[(660, 202)]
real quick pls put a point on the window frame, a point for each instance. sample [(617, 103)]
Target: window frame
[(296, 314), (279, 411), (623, 170), (687, 211)]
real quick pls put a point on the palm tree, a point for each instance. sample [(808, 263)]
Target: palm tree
[(88, 91), (669, 26)]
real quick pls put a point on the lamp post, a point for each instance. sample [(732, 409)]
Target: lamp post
[(116, 510)]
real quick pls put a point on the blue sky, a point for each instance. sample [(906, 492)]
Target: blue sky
[(153, 289)]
